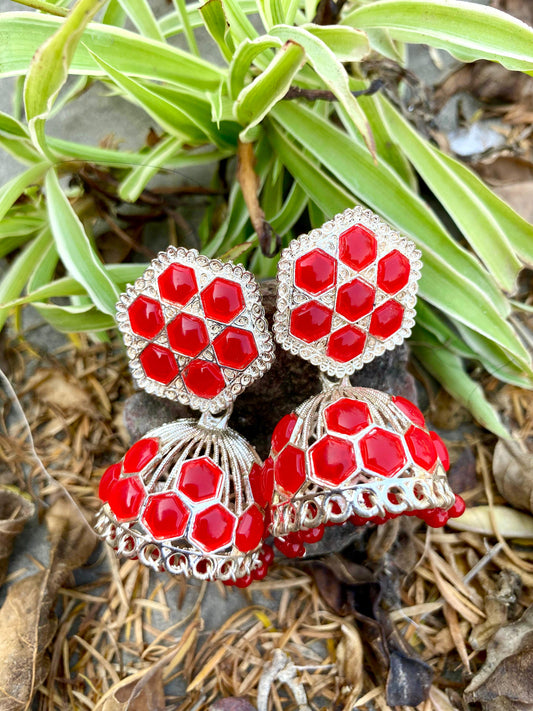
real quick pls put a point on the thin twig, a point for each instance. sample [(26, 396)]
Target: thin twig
[(295, 92)]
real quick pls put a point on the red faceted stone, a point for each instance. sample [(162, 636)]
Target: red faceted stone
[(213, 528), (203, 378), (442, 452), (333, 459), (199, 479), (355, 300), (267, 554), (289, 470), (411, 411), (260, 572), (436, 518), (310, 321), (383, 452), (159, 363), (347, 416), (187, 334), (283, 431), (250, 527), (315, 272), (386, 319), (165, 516), (146, 317), (313, 535), (357, 247), (290, 549), (138, 456), (262, 482), (393, 272), (458, 507), (244, 581), (222, 300), (178, 284), (235, 348), (346, 344), (109, 477), (126, 497), (421, 447)]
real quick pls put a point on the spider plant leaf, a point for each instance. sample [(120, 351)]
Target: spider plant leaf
[(432, 322), (181, 8), (136, 56), (75, 318), (217, 25), (14, 280), (45, 266), (449, 271), (168, 115), (13, 189), (240, 26), (351, 46), (471, 206), (141, 15), (332, 73), (447, 368), (245, 54), (135, 182), (256, 100), (75, 249), (49, 68), (467, 30)]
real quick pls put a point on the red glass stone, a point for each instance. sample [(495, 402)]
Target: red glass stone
[(310, 321), (358, 520), (458, 507), (244, 581), (421, 447), (347, 416), (187, 334), (355, 300), (289, 549), (235, 348), (289, 470), (442, 451), (213, 528), (222, 300), (312, 535), (262, 482), (409, 410), (333, 459), (346, 344), (267, 554), (393, 272), (126, 497), (159, 363), (140, 454), (383, 452), (386, 319), (178, 284), (357, 247), (109, 477), (199, 479), (165, 516), (283, 431), (146, 317), (315, 272), (260, 572), (250, 527), (436, 518), (204, 379)]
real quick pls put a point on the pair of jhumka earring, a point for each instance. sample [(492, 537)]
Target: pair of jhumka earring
[(192, 497)]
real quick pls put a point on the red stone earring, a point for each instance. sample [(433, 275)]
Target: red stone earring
[(346, 293), (190, 497)]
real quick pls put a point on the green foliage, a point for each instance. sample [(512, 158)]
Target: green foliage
[(312, 158)]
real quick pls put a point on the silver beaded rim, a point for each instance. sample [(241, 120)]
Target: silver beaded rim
[(327, 239)]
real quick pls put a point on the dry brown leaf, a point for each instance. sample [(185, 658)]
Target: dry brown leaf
[(349, 654), (504, 170), (140, 692), (512, 467), (519, 196), (510, 523), (504, 681), (15, 511), (63, 392), (27, 619)]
